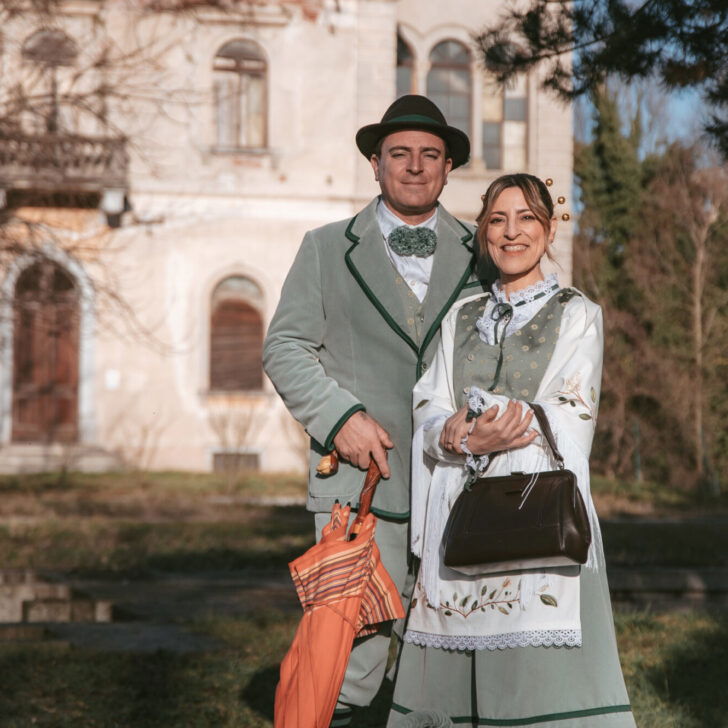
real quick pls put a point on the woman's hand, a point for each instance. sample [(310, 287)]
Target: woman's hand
[(488, 434), (457, 427)]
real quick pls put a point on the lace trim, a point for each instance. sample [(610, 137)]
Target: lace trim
[(529, 638), (535, 291), (476, 464), (525, 304)]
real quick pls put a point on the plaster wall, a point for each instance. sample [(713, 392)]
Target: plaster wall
[(199, 215)]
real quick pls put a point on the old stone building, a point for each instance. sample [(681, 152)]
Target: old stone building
[(158, 169)]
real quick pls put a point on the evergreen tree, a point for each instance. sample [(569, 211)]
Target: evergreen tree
[(578, 45)]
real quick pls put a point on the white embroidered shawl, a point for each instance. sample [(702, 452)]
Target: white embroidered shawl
[(513, 609)]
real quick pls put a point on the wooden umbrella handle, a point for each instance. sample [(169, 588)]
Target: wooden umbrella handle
[(329, 464), (374, 475)]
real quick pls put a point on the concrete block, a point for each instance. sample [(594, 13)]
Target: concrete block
[(47, 610), (104, 611), (83, 610)]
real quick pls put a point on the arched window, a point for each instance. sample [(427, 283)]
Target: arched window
[(236, 336), (405, 68), (50, 49), (45, 355), (449, 82), (240, 95)]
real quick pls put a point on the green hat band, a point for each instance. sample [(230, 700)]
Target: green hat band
[(416, 118)]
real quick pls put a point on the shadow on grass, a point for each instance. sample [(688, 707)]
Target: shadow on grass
[(691, 679), (48, 686), (260, 691), (269, 540), (277, 537), (259, 695), (676, 544)]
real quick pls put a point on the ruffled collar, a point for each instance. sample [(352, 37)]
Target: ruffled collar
[(517, 311), (547, 287)]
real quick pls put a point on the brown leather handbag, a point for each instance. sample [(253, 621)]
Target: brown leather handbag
[(519, 521)]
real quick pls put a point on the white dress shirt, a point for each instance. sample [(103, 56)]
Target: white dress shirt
[(414, 271)]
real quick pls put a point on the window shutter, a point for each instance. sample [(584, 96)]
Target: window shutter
[(236, 347)]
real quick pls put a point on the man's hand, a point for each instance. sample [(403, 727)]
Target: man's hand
[(489, 434), (362, 438)]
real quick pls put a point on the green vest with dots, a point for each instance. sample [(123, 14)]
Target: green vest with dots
[(413, 309), (526, 352)]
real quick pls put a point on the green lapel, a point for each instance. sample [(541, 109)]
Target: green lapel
[(451, 270), (368, 262)]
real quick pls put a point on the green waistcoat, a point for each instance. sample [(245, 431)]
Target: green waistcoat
[(526, 352), (413, 309)]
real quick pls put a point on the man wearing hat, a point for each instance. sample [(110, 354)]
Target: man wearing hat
[(358, 324)]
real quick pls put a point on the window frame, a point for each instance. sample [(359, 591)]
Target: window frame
[(410, 63), (434, 64), (240, 74)]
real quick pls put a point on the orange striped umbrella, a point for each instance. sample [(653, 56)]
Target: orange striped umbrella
[(345, 592)]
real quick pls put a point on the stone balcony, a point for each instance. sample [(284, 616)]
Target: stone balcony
[(59, 162)]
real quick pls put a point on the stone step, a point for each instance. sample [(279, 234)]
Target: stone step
[(77, 609), (14, 596), (23, 633), (24, 598), (41, 458), (17, 576)]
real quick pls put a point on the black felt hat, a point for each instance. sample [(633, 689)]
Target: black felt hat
[(414, 112)]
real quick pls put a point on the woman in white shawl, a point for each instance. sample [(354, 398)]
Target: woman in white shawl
[(514, 648)]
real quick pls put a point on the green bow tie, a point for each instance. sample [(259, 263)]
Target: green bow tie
[(419, 241)]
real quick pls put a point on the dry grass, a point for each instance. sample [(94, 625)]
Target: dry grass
[(119, 526)]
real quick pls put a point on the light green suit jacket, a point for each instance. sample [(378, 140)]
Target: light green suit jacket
[(339, 343)]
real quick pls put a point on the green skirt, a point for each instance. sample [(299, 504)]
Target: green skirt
[(569, 687)]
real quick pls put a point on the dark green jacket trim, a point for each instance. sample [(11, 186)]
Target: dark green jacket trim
[(468, 235), (381, 513), (329, 444), (465, 239), (390, 514), (368, 291), (474, 284), (443, 312), (604, 710)]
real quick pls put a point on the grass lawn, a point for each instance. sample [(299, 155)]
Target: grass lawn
[(674, 665), (128, 526)]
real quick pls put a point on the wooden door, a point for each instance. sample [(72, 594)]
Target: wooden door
[(45, 355)]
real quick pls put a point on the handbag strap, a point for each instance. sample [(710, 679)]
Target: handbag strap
[(548, 434)]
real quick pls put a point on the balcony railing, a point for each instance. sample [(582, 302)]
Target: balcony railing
[(62, 161)]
